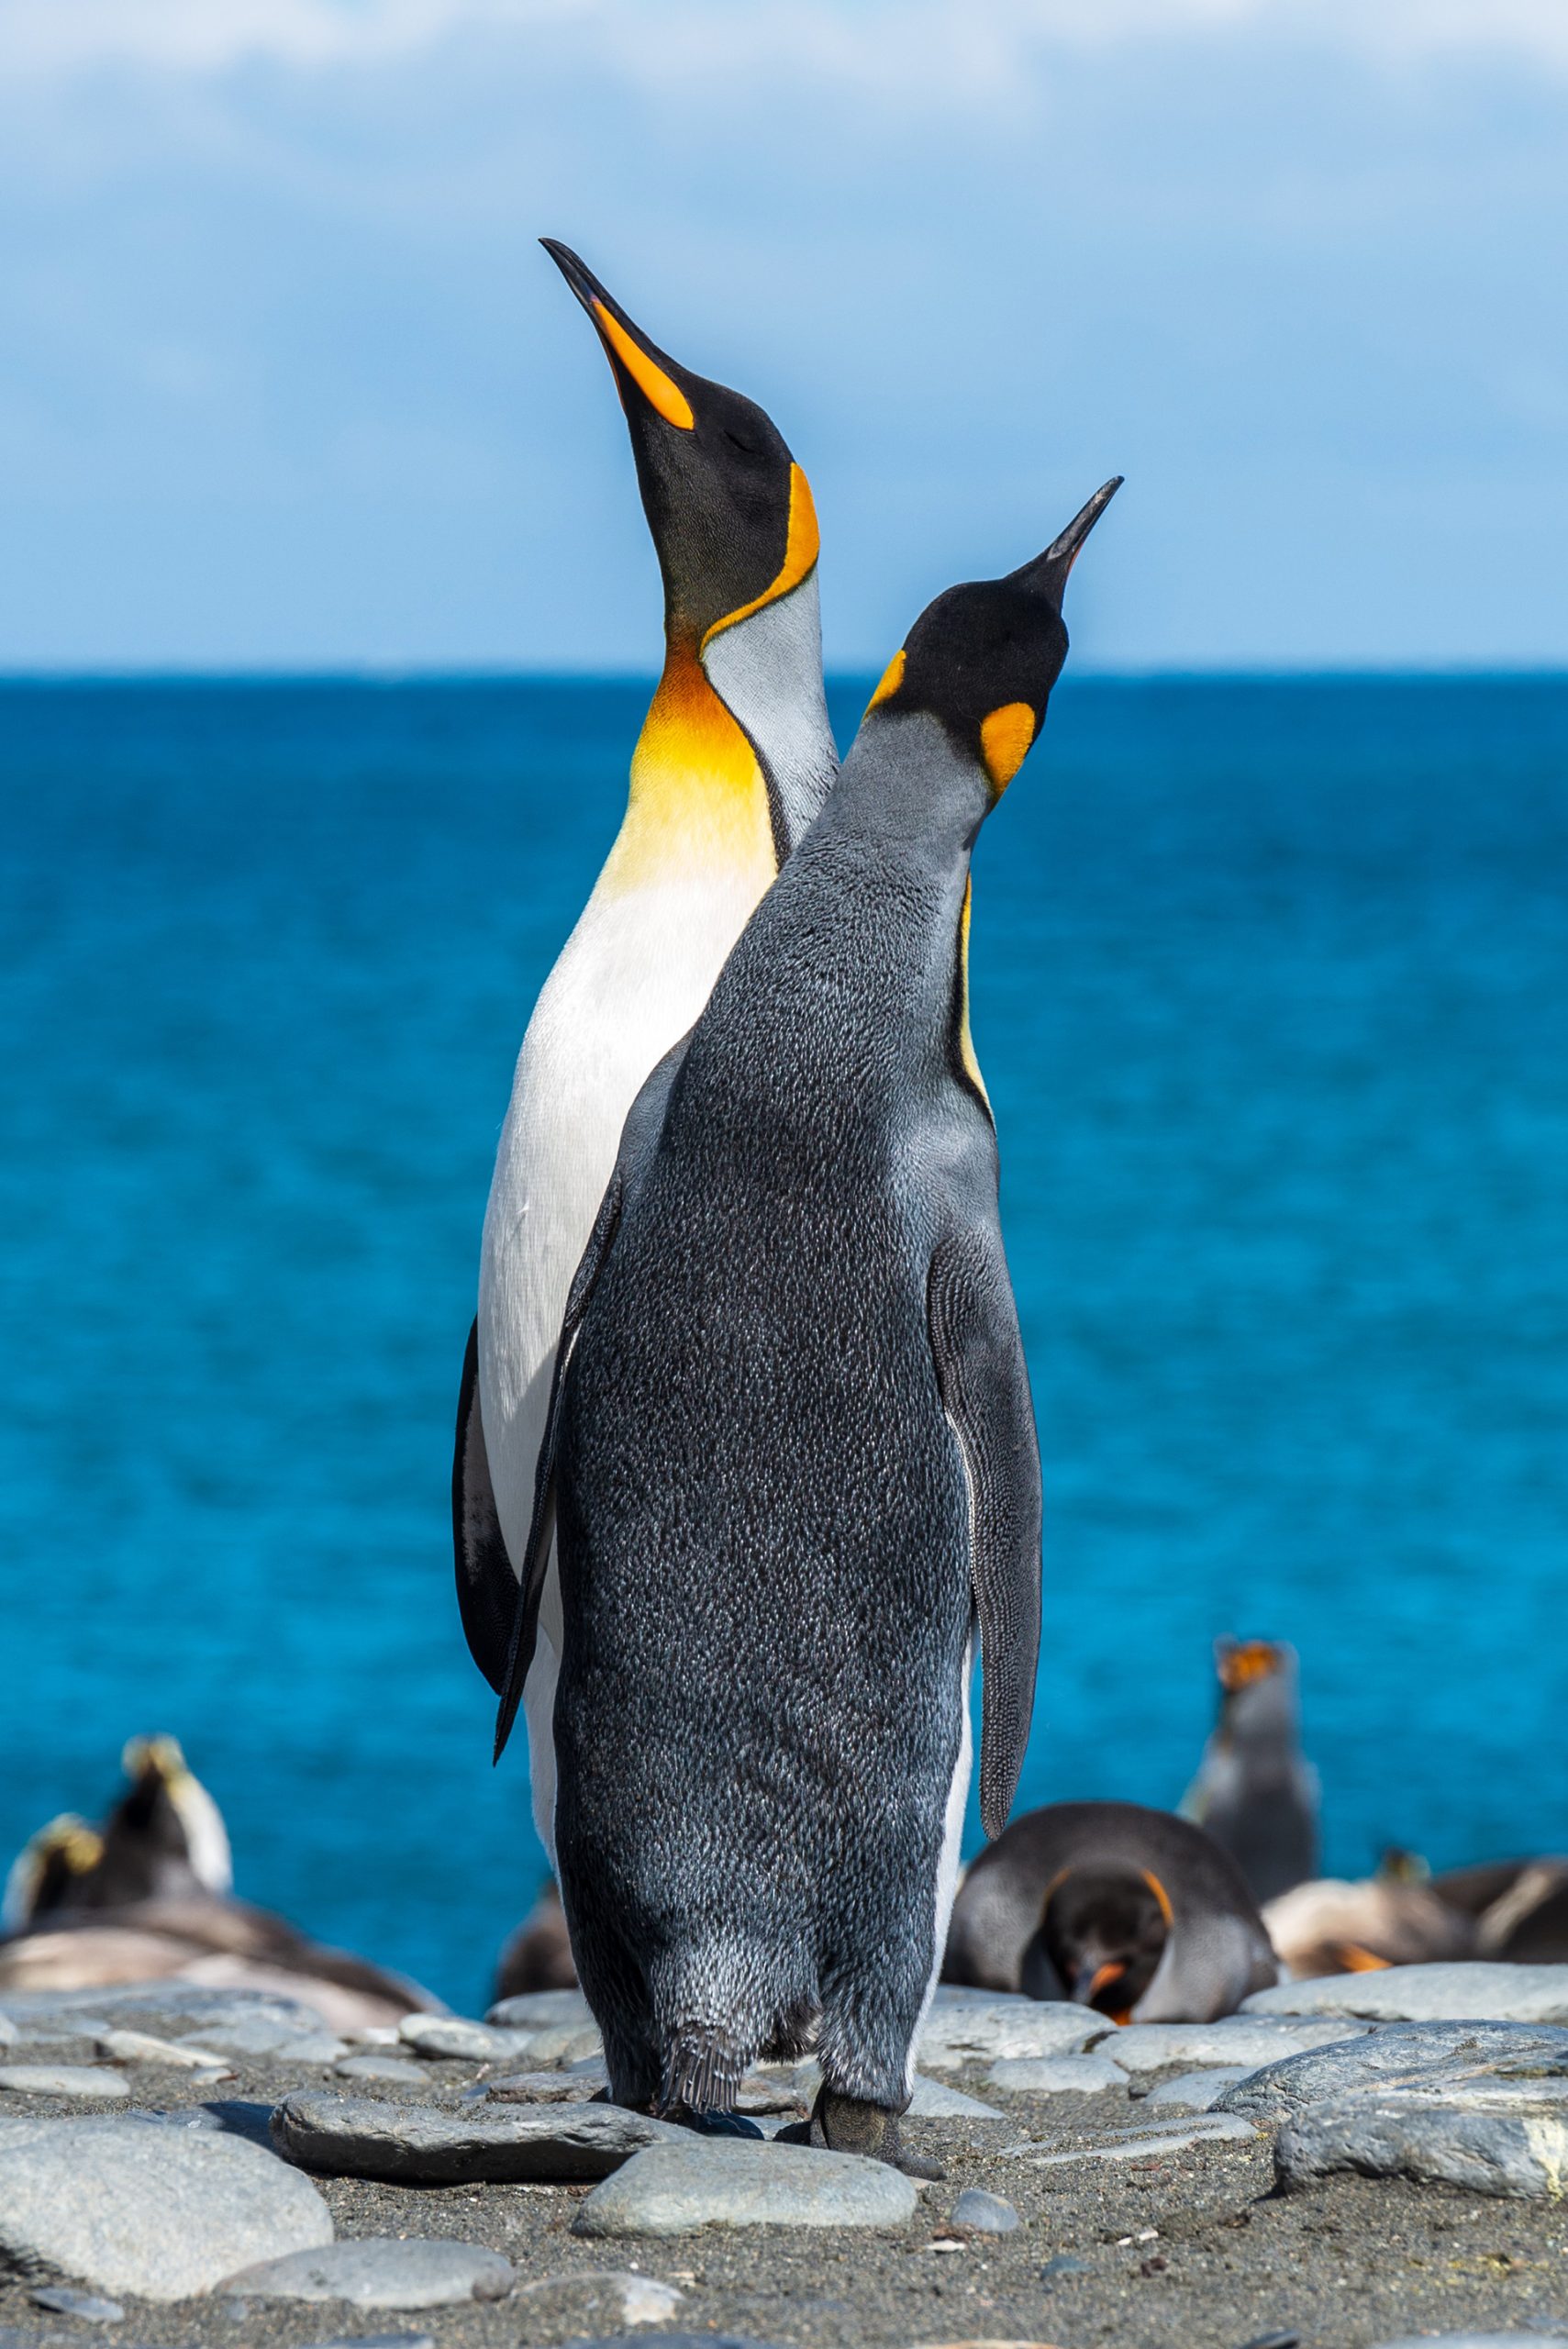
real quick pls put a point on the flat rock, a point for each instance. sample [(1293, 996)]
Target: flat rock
[(533, 2009), (1402, 2054), (1469, 1992), (673, 2340), (131, 2004), (1087, 2075), (395, 2070), (376, 2341), (469, 2144), (162, 2212), (456, 2037), (1146, 2144), (733, 2182), (637, 2299), (1520, 2154), (985, 2214), (90, 2307), (1235, 2039), (76, 2080), (275, 2038), (141, 2047), (983, 2029), (1198, 2091), (382, 2272), (578, 2085), (1478, 2340), (934, 2100)]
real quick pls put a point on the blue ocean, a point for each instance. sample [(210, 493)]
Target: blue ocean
[(1271, 991)]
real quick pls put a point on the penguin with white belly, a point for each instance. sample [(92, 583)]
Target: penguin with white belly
[(734, 760), (790, 1460)]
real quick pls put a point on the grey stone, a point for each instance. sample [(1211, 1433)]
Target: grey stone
[(639, 2300), (934, 2100), (130, 2005), (394, 2070), (8, 2031), (1198, 2091), (532, 2008), (456, 2037), (1478, 2340), (162, 2212), (1065, 2264), (62, 2301), (79, 2081), (1145, 2144), (1234, 2039), (276, 2039), (382, 2272), (985, 2214), (557, 2044), (1402, 2054), (673, 2341), (431, 2145), (733, 2182), (982, 2030), (1521, 2154), (140, 2047), (377, 2341), (579, 2084), (1467, 1992), (1087, 2075)]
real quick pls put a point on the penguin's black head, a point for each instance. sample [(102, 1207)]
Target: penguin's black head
[(984, 657), (1102, 1935), (730, 510)]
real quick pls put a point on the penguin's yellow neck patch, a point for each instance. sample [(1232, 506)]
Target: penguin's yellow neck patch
[(699, 799), (965, 1040), (1005, 739), (892, 678), (666, 398), (802, 544)]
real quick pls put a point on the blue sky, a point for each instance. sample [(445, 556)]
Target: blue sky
[(283, 379)]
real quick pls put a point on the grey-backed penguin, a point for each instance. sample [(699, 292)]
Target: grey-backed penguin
[(1135, 1912), (733, 761), (1255, 1792), (791, 1455)]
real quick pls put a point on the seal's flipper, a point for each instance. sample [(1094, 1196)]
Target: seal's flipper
[(542, 1532), (979, 1357), (486, 1586)]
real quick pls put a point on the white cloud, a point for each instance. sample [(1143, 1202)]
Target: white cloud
[(862, 42)]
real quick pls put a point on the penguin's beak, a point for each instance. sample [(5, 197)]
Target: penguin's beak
[(1091, 1979), (1046, 575), (645, 376)]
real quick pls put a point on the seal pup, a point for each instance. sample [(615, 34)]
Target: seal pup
[(734, 760), (1255, 1792), (791, 1455), (1137, 1913)]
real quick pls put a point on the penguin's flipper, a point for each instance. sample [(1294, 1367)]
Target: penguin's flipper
[(486, 1586), (542, 1532), (979, 1357)]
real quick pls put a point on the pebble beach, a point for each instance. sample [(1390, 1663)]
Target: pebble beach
[(1351, 2162)]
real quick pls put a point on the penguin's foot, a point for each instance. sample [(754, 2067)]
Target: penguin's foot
[(710, 2124), (848, 2124)]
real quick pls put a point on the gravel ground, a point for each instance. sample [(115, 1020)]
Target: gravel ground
[(1194, 2251)]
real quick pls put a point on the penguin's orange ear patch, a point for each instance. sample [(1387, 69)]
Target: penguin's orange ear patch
[(892, 678), (1005, 739), (666, 398), (1251, 1660)]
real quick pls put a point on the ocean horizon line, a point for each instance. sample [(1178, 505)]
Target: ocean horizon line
[(395, 674)]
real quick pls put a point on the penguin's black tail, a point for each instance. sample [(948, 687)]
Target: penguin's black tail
[(703, 2066)]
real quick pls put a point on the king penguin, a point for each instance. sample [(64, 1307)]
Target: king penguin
[(1132, 1911), (1255, 1791), (733, 761), (790, 1454)]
